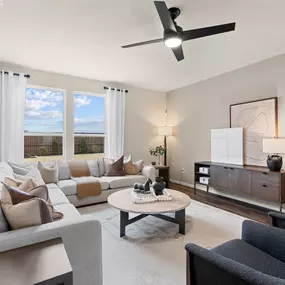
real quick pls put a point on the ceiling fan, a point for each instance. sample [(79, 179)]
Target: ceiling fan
[(174, 35)]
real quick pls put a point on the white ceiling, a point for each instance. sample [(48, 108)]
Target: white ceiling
[(84, 37)]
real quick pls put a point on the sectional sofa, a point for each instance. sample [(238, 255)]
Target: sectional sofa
[(81, 234)]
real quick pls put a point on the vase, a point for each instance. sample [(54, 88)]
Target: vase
[(158, 185), (161, 160), (158, 160)]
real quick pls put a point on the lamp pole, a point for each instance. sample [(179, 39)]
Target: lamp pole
[(165, 151)]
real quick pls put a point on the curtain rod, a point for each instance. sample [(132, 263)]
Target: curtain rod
[(17, 74), (105, 87)]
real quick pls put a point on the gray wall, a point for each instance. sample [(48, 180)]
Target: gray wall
[(196, 109), (144, 108)]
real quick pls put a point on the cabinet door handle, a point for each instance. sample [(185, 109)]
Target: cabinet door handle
[(225, 168), (264, 173), (264, 185), (232, 168)]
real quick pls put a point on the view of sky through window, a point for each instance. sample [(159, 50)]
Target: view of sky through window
[(44, 111), (88, 114)]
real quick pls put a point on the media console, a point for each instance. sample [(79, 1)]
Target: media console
[(255, 181)]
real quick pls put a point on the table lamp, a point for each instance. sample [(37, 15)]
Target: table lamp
[(274, 146), (165, 131)]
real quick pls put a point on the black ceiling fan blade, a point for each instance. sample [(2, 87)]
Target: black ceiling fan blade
[(208, 31), (178, 52), (143, 43), (164, 15)]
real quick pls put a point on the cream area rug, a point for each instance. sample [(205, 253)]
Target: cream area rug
[(152, 252)]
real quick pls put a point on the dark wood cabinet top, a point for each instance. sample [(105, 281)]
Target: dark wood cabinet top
[(244, 167)]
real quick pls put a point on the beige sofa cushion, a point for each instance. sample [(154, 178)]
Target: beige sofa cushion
[(123, 181), (68, 187), (49, 172), (57, 197), (63, 170)]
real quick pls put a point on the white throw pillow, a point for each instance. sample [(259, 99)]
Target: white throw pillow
[(49, 172), (33, 174), (21, 169)]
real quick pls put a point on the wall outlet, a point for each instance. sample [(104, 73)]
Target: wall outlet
[(182, 170)]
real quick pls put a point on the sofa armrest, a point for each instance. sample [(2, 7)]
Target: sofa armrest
[(276, 220), (266, 238), (205, 267), (82, 239), (149, 172)]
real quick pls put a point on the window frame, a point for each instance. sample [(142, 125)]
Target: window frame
[(63, 135), (83, 93)]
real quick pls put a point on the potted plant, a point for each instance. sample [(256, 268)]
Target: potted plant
[(154, 153), (160, 150)]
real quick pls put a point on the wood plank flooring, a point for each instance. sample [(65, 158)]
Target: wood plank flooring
[(237, 207)]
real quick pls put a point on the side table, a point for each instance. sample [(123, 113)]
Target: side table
[(163, 171), (44, 263)]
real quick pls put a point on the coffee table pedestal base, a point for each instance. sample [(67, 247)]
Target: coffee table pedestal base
[(178, 219)]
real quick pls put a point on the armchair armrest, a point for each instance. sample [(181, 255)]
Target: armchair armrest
[(205, 267), (149, 172), (266, 238), (276, 220), (82, 240)]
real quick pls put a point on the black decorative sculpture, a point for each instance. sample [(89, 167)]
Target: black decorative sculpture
[(143, 188)]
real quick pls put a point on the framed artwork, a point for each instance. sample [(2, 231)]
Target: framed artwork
[(259, 119)]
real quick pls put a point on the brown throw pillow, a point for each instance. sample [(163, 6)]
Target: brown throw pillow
[(25, 209), (116, 168)]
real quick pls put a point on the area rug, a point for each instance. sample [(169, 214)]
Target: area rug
[(152, 252)]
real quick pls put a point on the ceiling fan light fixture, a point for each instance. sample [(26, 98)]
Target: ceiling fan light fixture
[(173, 41)]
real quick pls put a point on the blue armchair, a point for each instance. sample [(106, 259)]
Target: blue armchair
[(257, 258)]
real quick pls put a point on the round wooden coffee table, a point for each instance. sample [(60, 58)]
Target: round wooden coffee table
[(122, 201)]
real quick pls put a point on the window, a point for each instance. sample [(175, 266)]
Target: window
[(88, 125), (43, 124)]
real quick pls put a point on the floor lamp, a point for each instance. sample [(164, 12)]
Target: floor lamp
[(165, 131)]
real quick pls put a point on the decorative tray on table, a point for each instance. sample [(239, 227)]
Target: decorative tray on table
[(140, 198)]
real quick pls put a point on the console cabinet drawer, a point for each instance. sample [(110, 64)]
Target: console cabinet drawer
[(265, 186)]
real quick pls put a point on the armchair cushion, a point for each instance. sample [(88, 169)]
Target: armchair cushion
[(244, 253), (266, 238)]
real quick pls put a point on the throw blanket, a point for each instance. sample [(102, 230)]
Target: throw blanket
[(86, 185)]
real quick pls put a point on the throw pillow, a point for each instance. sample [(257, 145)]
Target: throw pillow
[(132, 168), (21, 169), (63, 170), (116, 168), (94, 167), (49, 173), (139, 165), (33, 174), (23, 209), (129, 166)]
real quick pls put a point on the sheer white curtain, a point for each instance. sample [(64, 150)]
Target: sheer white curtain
[(114, 123), (12, 112)]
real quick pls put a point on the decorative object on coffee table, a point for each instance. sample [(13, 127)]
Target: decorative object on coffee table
[(158, 185), (122, 201), (43, 263), (274, 146), (143, 188), (142, 198)]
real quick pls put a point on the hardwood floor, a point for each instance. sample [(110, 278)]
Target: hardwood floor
[(237, 207)]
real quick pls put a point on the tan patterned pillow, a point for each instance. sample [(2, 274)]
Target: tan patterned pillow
[(132, 168), (25, 209), (129, 166)]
